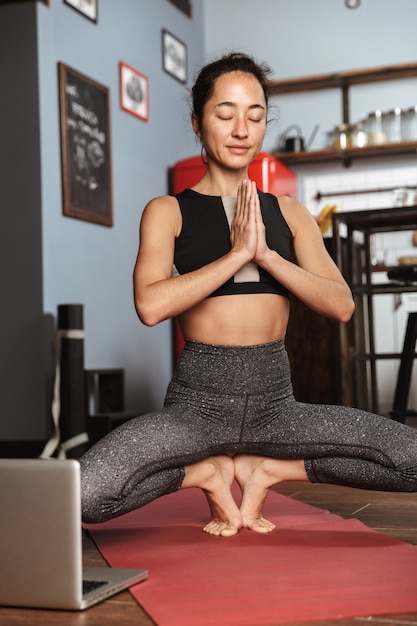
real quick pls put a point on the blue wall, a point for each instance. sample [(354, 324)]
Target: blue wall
[(93, 264), (304, 37), (49, 259)]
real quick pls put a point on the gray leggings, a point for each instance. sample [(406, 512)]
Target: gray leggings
[(239, 400)]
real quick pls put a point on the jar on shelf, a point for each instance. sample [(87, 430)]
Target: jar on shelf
[(391, 125), (409, 124), (374, 129), (339, 137), (358, 135)]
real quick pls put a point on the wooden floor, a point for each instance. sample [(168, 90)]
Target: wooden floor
[(392, 514)]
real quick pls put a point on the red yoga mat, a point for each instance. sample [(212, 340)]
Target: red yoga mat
[(315, 565)]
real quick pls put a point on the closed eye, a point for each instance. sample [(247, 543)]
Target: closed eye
[(227, 119)]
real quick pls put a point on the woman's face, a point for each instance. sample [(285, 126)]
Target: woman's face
[(234, 120)]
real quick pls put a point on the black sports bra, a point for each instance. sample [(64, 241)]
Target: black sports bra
[(205, 237)]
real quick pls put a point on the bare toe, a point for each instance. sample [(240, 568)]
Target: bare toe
[(215, 476), (220, 528), (254, 482), (260, 525)]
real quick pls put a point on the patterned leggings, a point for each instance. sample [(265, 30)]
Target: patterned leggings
[(239, 400)]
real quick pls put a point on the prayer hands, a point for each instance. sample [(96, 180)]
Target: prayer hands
[(247, 228)]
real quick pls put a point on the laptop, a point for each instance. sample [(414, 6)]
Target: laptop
[(41, 540)]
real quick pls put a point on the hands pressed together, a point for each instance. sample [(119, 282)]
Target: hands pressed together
[(247, 228)]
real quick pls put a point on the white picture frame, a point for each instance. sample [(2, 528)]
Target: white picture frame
[(134, 91), (88, 8)]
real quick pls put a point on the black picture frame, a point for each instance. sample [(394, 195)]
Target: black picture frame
[(85, 147), (183, 5), (87, 8), (174, 56)]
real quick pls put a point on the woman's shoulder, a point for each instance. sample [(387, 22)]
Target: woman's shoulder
[(163, 210), (160, 205), (296, 214), (159, 202), (291, 207)]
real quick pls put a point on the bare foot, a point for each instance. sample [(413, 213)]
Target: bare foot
[(255, 476), (214, 476)]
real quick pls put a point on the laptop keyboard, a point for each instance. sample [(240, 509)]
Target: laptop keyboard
[(91, 585)]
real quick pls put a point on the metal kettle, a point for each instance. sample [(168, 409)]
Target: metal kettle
[(295, 143)]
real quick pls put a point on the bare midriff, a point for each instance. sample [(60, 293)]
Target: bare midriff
[(237, 320)]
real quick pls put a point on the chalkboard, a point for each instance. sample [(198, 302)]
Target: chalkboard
[(85, 147)]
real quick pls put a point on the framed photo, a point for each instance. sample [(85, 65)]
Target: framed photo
[(183, 5), (134, 92), (88, 8), (174, 56), (85, 147)]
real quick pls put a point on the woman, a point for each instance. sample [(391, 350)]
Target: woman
[(219, 256)]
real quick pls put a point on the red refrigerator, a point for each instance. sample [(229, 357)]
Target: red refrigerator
[(270, 176)]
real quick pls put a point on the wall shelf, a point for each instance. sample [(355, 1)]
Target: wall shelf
[(343, 81), (329, 154)]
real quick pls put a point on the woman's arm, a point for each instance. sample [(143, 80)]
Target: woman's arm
[(158, 295), (315, 279)]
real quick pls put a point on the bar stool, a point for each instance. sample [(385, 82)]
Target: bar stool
[(408, 275)]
